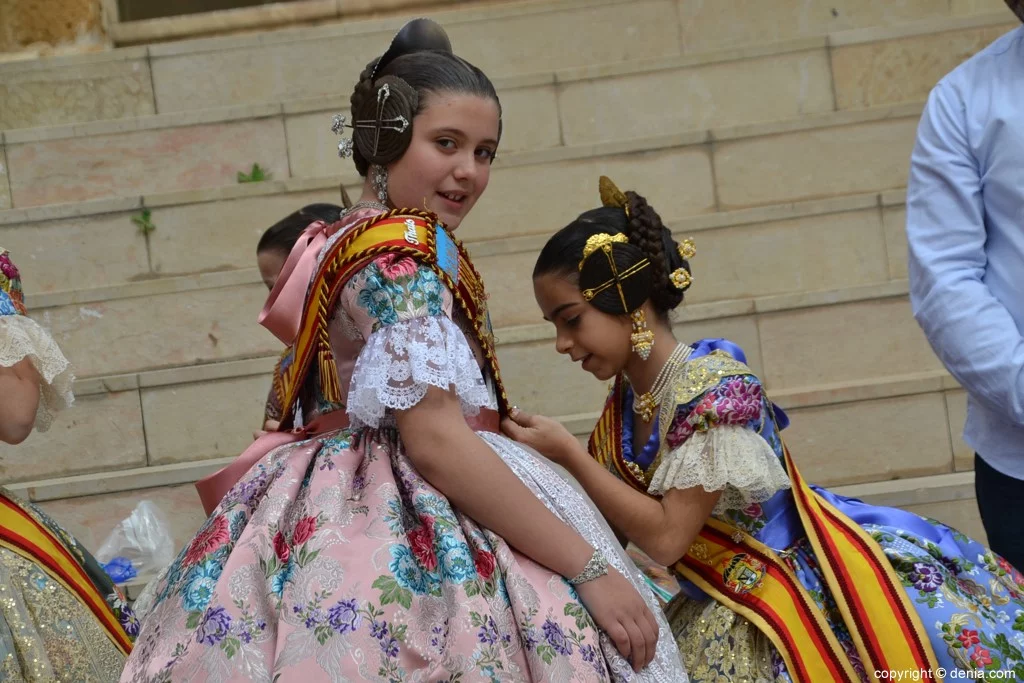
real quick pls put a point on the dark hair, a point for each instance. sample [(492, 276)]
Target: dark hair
[(647, 238), (410, 78), (282, 235)]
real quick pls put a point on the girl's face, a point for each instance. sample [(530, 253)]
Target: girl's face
[(448, 163), (597, 340), (270, 262)]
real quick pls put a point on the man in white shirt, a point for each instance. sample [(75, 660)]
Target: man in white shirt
[(965, 228)]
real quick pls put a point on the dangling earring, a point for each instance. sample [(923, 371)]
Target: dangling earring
[(380, 184), (642, 338)]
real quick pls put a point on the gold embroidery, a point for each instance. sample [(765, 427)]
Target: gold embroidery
[(52, 636), (717, 645)]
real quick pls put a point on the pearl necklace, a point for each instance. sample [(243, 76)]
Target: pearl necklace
[(645, 404)]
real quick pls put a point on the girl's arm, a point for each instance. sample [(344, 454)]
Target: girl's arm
[(19, 401), (449, 455), (663, 528)]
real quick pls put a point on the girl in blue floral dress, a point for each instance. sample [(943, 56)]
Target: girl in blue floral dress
[(779, 580)]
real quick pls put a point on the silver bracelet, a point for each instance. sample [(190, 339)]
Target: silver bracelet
[(597, 566)]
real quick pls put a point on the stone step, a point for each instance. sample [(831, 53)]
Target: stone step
[(685, 175), (288, 65), (567, 108), (209, 318), (755, 252)]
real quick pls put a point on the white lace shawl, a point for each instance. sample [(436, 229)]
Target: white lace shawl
[(20, 338), (399, 363), (728, 458)]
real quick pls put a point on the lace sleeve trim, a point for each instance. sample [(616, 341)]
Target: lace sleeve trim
[(20, 338), (399, 363), (728, 458)]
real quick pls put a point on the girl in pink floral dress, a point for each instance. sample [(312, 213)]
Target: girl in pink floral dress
[(398, 536)]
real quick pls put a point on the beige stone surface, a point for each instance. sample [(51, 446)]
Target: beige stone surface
[(978, 7), (207, 420), (223, 234), (868, 340), (956, 407), (76, 253), (5, 183), (602, 34), (140, 162), (508, 278), (72, 93), (329, 65), (128, 335), (541, 198), (100, 432), (723, 94), (851, 443), (895, 219), (529, 119), (91, 518), (807, 164), (904, 69), (831, 251), (266, 73), (962, 515), (715, 24)]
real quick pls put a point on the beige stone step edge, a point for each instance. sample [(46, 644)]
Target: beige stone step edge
[(681, 228), (341, 103), (249, 18), (520, 334), (511, 160)]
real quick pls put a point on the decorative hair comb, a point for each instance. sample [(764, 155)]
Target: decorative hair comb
[(611, 195), (399, 124)]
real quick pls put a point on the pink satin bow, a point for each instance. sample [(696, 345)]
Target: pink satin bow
[(282, 312)]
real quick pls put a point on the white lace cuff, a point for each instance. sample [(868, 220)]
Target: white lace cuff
[(399, 363), (729, 458), (20, 338)]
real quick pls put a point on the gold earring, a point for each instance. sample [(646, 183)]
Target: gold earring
[(642, 338)]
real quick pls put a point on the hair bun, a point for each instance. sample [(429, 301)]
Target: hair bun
[(383, 123), (416, 35)]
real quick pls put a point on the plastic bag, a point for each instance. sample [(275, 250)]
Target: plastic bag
[(140, 544)]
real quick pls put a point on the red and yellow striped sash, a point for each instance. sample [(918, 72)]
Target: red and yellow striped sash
[(23, 534), (752, 580), (406, 232)]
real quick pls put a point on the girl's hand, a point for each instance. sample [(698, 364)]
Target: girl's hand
[(544, 435), (619, 611)]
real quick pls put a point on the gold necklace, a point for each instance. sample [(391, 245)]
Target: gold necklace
[(645, 404)]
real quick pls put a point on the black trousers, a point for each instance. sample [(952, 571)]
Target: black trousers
[(1001, 502)]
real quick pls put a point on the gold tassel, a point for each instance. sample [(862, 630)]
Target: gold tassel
[(328, 374)]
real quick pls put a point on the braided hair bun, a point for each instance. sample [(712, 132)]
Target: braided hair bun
[(649, 234)]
